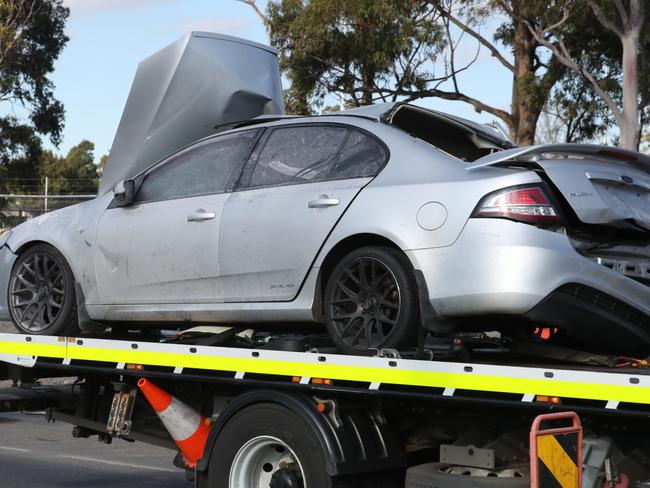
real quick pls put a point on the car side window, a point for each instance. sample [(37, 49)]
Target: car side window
[(361, 156), (298, 155), (205, 169)]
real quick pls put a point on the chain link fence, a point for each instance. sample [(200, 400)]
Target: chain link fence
[(33, 199)]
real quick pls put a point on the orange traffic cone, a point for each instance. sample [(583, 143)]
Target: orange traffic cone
[(186, 426)]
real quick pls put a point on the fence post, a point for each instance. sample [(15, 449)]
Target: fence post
[(47, 181)]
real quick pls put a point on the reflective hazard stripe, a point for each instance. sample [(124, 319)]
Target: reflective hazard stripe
[(526, 381), (56, 350)]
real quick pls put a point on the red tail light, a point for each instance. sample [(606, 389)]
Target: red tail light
[(527, 204)]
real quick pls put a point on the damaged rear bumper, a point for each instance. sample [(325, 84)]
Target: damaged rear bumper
[(599, 320), (507, 269)]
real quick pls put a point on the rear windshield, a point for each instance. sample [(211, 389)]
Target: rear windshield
[(462, 142)]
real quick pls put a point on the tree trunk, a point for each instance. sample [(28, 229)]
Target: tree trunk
[(525, 111), (629, 123), (367, 69), (368, 86), (526, 124)]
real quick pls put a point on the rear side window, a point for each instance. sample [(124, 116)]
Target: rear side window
[(306, 154), (361, 157), (207, 168), (298, 155)]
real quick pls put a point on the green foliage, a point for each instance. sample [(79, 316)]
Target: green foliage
[(365, 51), (331, 108), (31, 39), (102, 164), (352, 48), (75, 173)]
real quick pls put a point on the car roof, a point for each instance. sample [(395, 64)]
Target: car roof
[(382, 112)]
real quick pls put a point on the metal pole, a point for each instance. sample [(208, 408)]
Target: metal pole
[(47, 181)]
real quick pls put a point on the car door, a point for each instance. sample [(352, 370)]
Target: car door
[(294, 190), (164, 248)]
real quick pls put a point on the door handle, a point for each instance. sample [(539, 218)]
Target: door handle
[(200, 215), (323, 201)]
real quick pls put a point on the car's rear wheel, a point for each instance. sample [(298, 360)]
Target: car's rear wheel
[(370, 301), (41, 293)]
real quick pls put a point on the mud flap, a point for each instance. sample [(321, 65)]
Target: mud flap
[(85, 323), (430, 318)]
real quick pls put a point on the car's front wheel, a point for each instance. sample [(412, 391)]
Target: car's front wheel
[(370, 301), (41, 293)]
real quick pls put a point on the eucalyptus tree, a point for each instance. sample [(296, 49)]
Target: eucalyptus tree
[(31, 39)]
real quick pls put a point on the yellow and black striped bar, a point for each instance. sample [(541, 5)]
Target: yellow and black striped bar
[(556, 453)]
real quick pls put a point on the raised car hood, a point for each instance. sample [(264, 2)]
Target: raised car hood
[(603, 185), (189, 90)]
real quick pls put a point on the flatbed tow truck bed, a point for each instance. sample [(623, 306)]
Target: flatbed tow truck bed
[(372, 418)]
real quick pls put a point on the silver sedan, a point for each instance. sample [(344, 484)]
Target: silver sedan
[(373, 221)]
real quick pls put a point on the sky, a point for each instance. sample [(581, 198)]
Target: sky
[(108, 38)]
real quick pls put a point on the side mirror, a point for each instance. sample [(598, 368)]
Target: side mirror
[(124, 193)]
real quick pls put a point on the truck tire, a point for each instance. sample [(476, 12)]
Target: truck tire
[(267, 445), (438, 475)]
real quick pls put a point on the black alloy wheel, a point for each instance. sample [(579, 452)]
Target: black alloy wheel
[(41, 293), (371, 301)]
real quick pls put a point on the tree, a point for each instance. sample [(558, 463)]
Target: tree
[(533, 42), (513, 46), (576, 112), (326, 48), (31, 39), (624, 19), (580, 114), (377, 51), (645, 143), (102, 164), (548, 130), (76, 173), (357, 50)]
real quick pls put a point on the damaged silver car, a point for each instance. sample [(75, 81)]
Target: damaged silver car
[(372, 221)]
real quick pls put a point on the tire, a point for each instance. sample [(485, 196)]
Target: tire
[(375, 309), (438, 475), (291, 441), (41, 294)]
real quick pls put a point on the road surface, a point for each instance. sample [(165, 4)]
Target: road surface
[(36, 454)]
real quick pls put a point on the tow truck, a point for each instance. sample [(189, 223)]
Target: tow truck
[(278, 408), (285, 410)]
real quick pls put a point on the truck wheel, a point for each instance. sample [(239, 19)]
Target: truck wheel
[(41, 293), (371, 301), (439, 475), (267, 445)]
